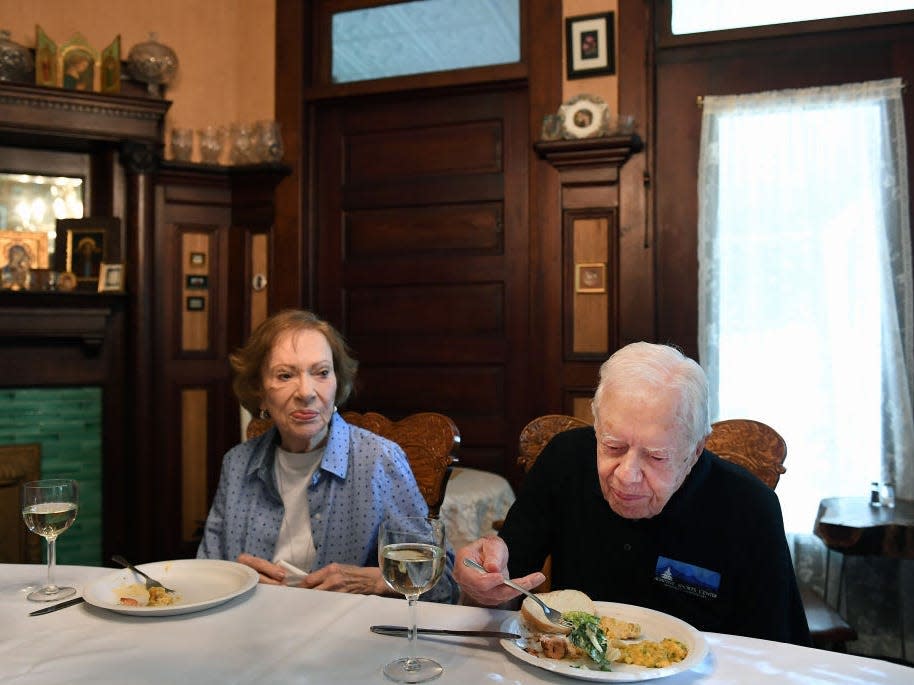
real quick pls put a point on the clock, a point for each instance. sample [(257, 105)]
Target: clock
[(584, 116)]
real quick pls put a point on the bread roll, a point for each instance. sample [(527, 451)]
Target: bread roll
[(563, 600)]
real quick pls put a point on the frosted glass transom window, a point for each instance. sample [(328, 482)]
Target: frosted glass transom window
[(424, 36), (697, 16)]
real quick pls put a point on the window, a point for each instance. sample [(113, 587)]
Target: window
[(805, 302), (698, 16), (424, 36)]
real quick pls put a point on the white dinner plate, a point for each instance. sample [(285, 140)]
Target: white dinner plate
[(654, 626), (198, 583)]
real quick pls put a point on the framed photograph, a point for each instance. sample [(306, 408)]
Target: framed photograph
[(590, 278), (111, 278), (590, 45), (83, 245), (198, 259)]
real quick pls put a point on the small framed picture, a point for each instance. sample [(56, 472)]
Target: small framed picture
[(590, 45), (196, 304), (590, 278), (111, 278), (198, 259), (196, 282)]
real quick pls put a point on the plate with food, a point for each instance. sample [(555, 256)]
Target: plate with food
[(198, 584), (606, 641)]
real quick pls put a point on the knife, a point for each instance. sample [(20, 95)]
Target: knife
[(55, 607), (402, 631)]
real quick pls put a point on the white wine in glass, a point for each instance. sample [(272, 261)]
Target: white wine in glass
[(412, 559), (48, 509)]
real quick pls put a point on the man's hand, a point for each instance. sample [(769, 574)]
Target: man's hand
[(487, 589)]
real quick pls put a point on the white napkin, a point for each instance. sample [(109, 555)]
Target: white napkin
[(294, 575)]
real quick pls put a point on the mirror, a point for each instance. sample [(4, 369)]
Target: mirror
[(30, 206)]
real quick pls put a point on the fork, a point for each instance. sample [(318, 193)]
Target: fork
[(553, 615), (150, 582)]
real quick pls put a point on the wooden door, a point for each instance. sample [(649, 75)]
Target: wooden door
[(422, 256)]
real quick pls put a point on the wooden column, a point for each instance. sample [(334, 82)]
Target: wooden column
[(586, 242)]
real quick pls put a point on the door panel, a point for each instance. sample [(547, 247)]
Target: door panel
[(420, 201)]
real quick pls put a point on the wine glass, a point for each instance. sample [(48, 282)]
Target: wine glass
[(411, 556), (49, 508)]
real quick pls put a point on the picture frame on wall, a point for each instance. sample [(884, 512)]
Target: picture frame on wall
[(590, 278), (590, 45), (83, 245)]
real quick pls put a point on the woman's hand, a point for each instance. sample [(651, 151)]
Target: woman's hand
[(335, 577), (363, 580), (487, 589), (270, 573)]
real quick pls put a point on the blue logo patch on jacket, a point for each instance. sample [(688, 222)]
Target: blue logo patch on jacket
[(694, 580)]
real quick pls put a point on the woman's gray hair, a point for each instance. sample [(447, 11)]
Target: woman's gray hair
[(645, 367)]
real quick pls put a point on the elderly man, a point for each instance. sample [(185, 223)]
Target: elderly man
[(636, 511)]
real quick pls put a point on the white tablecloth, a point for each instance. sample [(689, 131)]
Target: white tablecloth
[(290, 635), (473, 501)]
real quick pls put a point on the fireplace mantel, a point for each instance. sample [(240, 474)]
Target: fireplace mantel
[(56, 318)]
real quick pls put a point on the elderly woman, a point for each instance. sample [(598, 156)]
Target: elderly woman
[(312, 491)]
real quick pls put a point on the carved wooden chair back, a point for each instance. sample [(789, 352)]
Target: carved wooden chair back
[(755, 446), (429, 440), (537, 434)]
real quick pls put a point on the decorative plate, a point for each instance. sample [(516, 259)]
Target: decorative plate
[(584, 116)]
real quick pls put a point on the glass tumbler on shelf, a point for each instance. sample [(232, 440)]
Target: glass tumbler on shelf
[(182, 144), (242, 140), (212, 139), (49, 508), (269, 141), (412, 559)]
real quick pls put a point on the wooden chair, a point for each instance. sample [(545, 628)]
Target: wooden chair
[(429, 440), (533, 438), (18, 464), (753, 445)]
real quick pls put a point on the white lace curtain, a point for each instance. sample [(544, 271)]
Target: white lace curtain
[(805, 283)]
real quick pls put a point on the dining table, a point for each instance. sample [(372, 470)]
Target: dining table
[(278, 634)]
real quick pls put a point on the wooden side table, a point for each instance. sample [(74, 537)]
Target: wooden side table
[(852, 526)]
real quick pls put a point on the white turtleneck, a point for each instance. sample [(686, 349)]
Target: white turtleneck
[(294, 472)]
